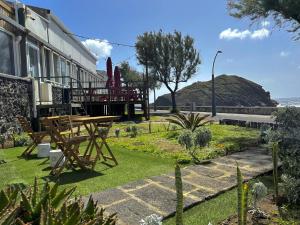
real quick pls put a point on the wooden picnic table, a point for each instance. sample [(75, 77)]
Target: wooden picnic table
[(69, 142), (94, 126)]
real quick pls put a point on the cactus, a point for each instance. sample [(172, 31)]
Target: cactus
[(179, 194), (242, 191), (275, 168)]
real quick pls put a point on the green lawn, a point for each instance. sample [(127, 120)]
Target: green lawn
[(163, 142), (140, 157), (132, 166)]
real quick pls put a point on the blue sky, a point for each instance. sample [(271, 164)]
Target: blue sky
[(264, 54)]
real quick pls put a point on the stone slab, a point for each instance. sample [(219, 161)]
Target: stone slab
[(160, 198)]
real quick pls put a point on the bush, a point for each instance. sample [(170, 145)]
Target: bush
[(21, 140), (193, 141), (202, 136), (288, 137), (133, 132), (186, 139), (117, 132)]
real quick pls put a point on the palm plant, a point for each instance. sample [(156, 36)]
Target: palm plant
[(190, 121), (49, 206)]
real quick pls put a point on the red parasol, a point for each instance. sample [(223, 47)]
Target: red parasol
[(109, 72), (117, 77)]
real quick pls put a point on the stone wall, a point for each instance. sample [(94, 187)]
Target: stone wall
[(226, 109), (15, 99)]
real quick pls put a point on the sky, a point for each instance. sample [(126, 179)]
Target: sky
[(260, 52)]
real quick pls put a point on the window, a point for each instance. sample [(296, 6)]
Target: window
[(6, 53), (33, 60), (56, 64), (47, 63), (63, 71)]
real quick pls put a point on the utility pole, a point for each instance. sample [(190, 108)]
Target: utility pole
[(213, 97)]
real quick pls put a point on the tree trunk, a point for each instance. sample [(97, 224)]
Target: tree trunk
[(154, 103), (174, 106)]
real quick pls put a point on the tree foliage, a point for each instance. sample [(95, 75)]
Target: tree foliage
[(172, 58), (282, 11)]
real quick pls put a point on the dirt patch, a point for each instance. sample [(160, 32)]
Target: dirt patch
[(168, 146), (267, 205)]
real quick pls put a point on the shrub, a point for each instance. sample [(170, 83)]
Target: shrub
[(202, 136), (288, 137), (263, 136), (290, 187), (49, 206), (117, 132), (133, 132), (258, 191), (190, 121), (193, 141), (186, 139), (21, 140)]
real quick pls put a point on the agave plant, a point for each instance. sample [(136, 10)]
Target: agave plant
[(190, 121), (49, 206)]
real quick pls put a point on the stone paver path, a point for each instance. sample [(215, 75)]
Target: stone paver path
[(139, 199)]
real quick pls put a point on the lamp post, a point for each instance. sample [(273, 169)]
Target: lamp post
[(213, 100)]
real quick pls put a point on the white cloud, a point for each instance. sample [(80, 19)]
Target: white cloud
[(265, 23), (232, 34), (260, 34), (229, 60), (284, 54), (99, 48)]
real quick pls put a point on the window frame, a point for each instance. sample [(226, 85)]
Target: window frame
[(15, 53), (29, 44)]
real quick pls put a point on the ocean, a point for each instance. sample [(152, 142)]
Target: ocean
[(288, 101)]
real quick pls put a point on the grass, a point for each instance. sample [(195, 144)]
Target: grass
[(216, 209), (225, 139), (132, 166), (140, 157)]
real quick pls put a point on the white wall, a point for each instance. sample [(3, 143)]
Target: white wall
[(59, 39)]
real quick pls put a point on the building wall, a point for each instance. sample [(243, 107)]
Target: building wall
[(15, 99), (51, 32)]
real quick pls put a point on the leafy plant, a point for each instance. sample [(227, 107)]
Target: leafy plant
[(49, 206), (193, 141), (290, 187), (242, 191), (21, 140), (133, 131), (190, 121), (288, 137), (152, 220), (186, 139), (179, 196), (258, 191), (117, 132), (202, 136)]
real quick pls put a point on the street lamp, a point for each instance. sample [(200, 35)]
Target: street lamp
[(213, 100)]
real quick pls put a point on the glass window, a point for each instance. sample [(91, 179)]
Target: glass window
[(56, 64), (33, 60), (6, 53), (63, 70), (47, 64)]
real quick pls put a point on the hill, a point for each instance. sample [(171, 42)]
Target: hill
[(231, 90)]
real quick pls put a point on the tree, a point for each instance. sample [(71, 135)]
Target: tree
[(171, 57), (131, 76), (135, 79), (282, 11)]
